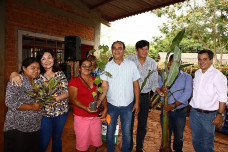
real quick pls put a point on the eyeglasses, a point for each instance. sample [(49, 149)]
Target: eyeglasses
[(85, 67)]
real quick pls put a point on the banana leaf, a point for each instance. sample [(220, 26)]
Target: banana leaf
[(174, 69)]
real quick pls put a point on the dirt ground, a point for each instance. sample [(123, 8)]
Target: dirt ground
[(152, 139)]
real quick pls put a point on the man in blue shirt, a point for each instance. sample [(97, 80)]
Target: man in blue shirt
[(179, 94)]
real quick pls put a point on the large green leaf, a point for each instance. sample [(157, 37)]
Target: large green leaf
[(185, 65), (174, 69), (176, 41), (145, 80)]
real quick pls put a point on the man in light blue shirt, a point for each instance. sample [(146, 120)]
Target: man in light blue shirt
[(179, 94), (121, 88)]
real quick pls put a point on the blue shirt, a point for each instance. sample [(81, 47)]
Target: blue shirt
[(181, 89), (120, 85)]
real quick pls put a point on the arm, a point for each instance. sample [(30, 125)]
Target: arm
[(16, 78), (218, 121), (221, 87), (15, 101), (137, 97), (35, 106), (105, 111), (104, 87), (63, 96), (184, 96), (73, 93), (64, 88)]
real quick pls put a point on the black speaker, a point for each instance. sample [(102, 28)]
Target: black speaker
[(66, 68), (72, 48)]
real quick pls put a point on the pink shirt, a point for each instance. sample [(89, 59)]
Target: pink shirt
[(209, 89)]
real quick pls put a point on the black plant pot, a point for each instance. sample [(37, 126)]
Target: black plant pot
[(93, 105)]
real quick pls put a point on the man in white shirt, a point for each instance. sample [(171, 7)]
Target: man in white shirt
[(208, 102), (121, 89)]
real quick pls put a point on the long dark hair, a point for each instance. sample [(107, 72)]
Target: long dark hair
[(27, 62), (39, 56)]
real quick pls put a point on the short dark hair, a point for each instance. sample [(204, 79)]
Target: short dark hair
[(91, 58), (209, 52), (27, 62), (39, 56), (142, 43), (119, 42), (83, 60), (171, 57)]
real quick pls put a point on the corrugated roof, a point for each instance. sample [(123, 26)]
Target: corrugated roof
[(112, 10)]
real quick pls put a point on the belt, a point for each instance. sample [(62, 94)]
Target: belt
[(175, 110), (204, 111), (143, 94)]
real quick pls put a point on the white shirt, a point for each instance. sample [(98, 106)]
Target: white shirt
[(148, 66), (120, 90), (209, 89)]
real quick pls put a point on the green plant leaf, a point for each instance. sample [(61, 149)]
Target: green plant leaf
[(145, 80), (174, 69), (94, 94), (91, 52), (176, 41), (97, 80), (100, 90), (185, 65)]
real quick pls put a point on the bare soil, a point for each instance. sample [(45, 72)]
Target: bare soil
[(152, 140)]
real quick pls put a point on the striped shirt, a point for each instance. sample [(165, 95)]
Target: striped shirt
[(120, 91), (148, 66)]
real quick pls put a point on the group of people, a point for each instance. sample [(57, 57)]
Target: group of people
[(28, 126)]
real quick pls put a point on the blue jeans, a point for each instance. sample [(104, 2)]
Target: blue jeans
[(125, 119), (52, 127), (203, 131), (177, 121), (142, 122)]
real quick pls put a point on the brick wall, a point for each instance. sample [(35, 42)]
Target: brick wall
[(21, 17)]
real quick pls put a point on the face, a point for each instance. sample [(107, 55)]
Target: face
[(142, 52), (32, 71), (204, 61), (118, 51), (47, 61), (170, 64), (86, 68)]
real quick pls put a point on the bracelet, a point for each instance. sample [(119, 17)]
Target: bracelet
[(221, 114), (100, 100)]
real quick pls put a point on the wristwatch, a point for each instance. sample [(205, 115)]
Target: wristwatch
[(222, 114)]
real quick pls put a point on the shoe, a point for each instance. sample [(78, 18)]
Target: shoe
[(141, 150)]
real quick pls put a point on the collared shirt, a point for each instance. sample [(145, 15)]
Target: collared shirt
[(53, 109), (180, 90), (148, 66), (22, 120), (209, 89), (120, 90)]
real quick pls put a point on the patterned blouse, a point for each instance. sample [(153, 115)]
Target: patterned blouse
[(22, 120), (53, 109)]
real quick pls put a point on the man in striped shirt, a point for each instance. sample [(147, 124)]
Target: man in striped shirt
[(121, 88)]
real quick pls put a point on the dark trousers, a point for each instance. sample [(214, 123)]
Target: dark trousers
[(17, 141), (142, 121), (177, 121)]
